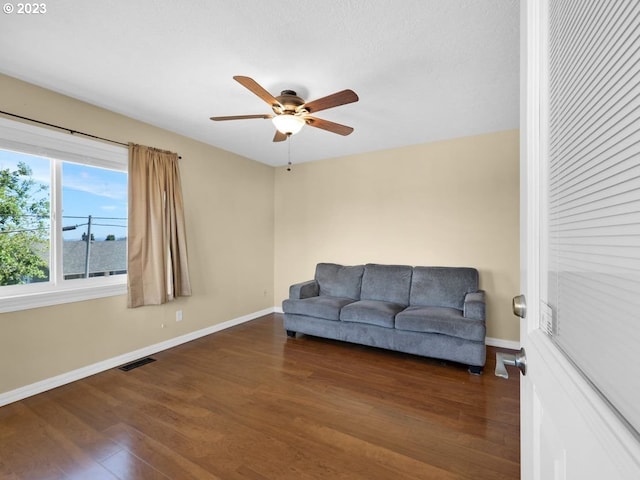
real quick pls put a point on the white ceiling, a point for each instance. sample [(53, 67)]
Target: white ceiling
[(424, 70)]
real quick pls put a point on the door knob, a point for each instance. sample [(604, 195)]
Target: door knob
[(518, 359), (519, 304)]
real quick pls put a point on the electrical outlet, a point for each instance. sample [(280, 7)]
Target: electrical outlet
[(178, 315)]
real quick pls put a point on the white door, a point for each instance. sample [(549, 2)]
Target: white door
[(568, 429)]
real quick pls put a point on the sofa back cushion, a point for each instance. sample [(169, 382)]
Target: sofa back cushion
[(387, 283), (442, 286), (339, 281)]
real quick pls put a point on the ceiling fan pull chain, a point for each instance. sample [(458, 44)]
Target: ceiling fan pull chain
[(289, 152)]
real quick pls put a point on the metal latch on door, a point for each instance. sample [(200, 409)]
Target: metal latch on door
[(518, 359)]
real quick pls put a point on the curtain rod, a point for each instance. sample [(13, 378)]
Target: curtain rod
[(72, 132)]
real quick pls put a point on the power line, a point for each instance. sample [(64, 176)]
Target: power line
[(92, 216), (108, 225), (24, 230), (23, 215), (69, 227), (32, 215)]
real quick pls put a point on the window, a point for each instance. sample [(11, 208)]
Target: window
[(63, 217), (593, 182)]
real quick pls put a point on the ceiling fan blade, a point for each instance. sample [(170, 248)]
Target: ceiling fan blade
[(240, 117), (329, 126), (279, 136), (250, 84), (330, 101)]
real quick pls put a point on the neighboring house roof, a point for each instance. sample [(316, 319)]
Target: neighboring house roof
[(105, 256)]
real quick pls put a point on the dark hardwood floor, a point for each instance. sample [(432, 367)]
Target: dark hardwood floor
[(249, 403)]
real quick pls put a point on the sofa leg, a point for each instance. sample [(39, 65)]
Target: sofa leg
[(291, 333), (475, 370)]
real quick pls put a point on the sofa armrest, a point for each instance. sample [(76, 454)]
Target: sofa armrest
[(474, 305), (306, 289)]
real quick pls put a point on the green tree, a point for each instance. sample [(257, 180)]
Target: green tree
[(24, 219), (110, 238)]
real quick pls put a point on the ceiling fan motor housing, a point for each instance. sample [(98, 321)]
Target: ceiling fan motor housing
[(289, 100)]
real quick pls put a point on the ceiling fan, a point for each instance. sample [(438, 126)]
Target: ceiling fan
[(291, 113)]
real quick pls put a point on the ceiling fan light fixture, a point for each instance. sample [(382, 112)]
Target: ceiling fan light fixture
[(288, 123)]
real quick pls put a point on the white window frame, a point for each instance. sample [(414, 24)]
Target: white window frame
[(59, 147)]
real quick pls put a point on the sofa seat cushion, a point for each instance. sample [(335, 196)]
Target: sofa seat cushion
[(373, 312), (443, 320), (322, 307)]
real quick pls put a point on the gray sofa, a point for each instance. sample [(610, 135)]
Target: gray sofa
[(435, 312)]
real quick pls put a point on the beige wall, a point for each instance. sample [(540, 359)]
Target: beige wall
[(229, 215), (452, 203)]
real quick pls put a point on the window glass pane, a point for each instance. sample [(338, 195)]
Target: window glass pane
[(24, 218), (94, 221), (46, 175)]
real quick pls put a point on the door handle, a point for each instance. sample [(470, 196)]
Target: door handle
[(503, 359), (519, 305)]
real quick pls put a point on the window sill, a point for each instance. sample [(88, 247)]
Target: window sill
[(60, 295)]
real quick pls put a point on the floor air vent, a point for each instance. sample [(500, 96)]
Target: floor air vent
[(136, 364)]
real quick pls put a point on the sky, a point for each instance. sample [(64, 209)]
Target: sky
[(86, 190)]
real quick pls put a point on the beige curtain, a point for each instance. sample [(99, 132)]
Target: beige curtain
[(157, 246)]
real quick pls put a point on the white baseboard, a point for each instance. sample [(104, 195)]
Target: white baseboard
[(498, 342), (68, 377)]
